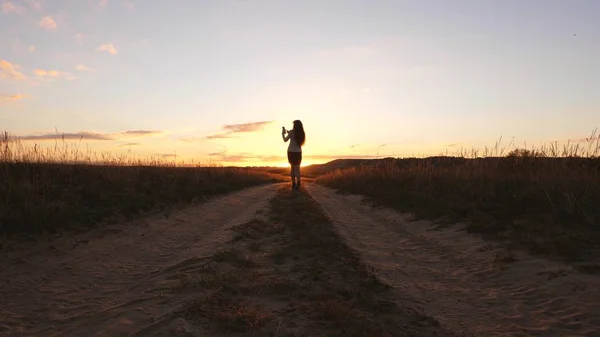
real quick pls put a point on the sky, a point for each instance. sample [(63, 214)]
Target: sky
[(215, 80)]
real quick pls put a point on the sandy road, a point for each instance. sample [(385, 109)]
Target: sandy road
[(453, 276), (116, 284)]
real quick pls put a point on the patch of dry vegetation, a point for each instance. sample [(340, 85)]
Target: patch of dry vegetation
[(64, 188), (291, 275), (545, 199)]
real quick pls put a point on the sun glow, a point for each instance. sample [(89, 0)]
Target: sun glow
[(286, 164)]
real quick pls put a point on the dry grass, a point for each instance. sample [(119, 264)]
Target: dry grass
[(545, 199), (63, 187), (304, 281)]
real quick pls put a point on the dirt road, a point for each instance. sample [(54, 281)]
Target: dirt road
[(456, 277), (115, 284)]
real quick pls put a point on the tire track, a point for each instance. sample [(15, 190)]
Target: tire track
[(118, 283), (456, 278)]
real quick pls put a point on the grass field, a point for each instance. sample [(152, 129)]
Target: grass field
[(63, 188), (546, 199)]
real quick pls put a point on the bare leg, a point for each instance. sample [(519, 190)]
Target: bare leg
[(293, 175), (298, 175)]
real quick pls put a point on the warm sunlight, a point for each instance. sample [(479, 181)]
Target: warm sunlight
[(285, 164), (88, 71), (297, 168)]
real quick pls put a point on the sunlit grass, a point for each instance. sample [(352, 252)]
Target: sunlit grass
[(545, 198), (64, 187), (62, 151)]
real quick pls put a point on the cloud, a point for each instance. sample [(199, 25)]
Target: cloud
[(13, 97), (140, 132), (130, 144), (52, 74), (68, 136), (109, 48), (220, 136), (46, 73), (79, 38), (9, 70), (166, 155), (454, 145), (10, 7), (85, 135), (247, 127), (239, 128), (48, 23), (217, 153), (82, 68), (32, 48), (103, 3)]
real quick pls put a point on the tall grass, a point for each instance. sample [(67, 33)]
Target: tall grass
[(63, 187), (547, 199)]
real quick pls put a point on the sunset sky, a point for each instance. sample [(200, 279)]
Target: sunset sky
[(214, 80)]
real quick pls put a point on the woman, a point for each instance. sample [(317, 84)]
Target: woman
[(296, 136)]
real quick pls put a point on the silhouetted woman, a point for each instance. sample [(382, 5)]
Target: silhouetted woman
[(296, 136)]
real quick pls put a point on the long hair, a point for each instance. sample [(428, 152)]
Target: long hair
[(299, 135)]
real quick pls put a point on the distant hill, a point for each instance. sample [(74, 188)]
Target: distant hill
[(438, 161), (318, 169), (446, 161)]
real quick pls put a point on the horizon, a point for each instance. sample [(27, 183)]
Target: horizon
[(213, 82)]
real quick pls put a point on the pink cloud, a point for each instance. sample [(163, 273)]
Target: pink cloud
[(48, 23), (140, 132), (82, 68), (46, 73), (52, 74), (109, 48), (10, 7), (232, 129), (10, 71), (13, 97)]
